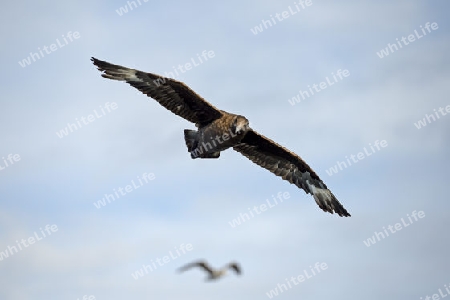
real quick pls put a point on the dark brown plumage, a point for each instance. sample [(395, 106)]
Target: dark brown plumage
[(219, 130)]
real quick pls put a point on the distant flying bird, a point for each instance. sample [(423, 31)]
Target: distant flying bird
[(212, 274), (219, 130)]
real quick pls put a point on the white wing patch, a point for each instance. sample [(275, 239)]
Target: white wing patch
[(122, 74)]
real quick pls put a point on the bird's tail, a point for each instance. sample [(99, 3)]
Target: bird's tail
[(190, 137)]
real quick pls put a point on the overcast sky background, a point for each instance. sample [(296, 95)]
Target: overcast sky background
[(95, 251)]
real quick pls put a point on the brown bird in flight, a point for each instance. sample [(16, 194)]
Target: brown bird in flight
[(219, 130), (212, 274)]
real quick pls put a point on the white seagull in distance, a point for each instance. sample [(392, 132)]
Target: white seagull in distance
[(212, 274)]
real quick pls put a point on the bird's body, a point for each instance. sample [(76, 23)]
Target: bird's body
[(213, 274), (210, 139), (218, 130)]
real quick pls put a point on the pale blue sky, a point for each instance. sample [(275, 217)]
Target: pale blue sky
[(95, 251)]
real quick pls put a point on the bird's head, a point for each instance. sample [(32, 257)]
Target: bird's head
[(240, 125)]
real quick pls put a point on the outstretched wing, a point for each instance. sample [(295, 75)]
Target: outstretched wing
[(235, 267), (200, 264), (172, 94), (289, 166)]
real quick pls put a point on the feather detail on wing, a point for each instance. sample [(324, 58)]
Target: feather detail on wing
[(172, 94), (289, 166)]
